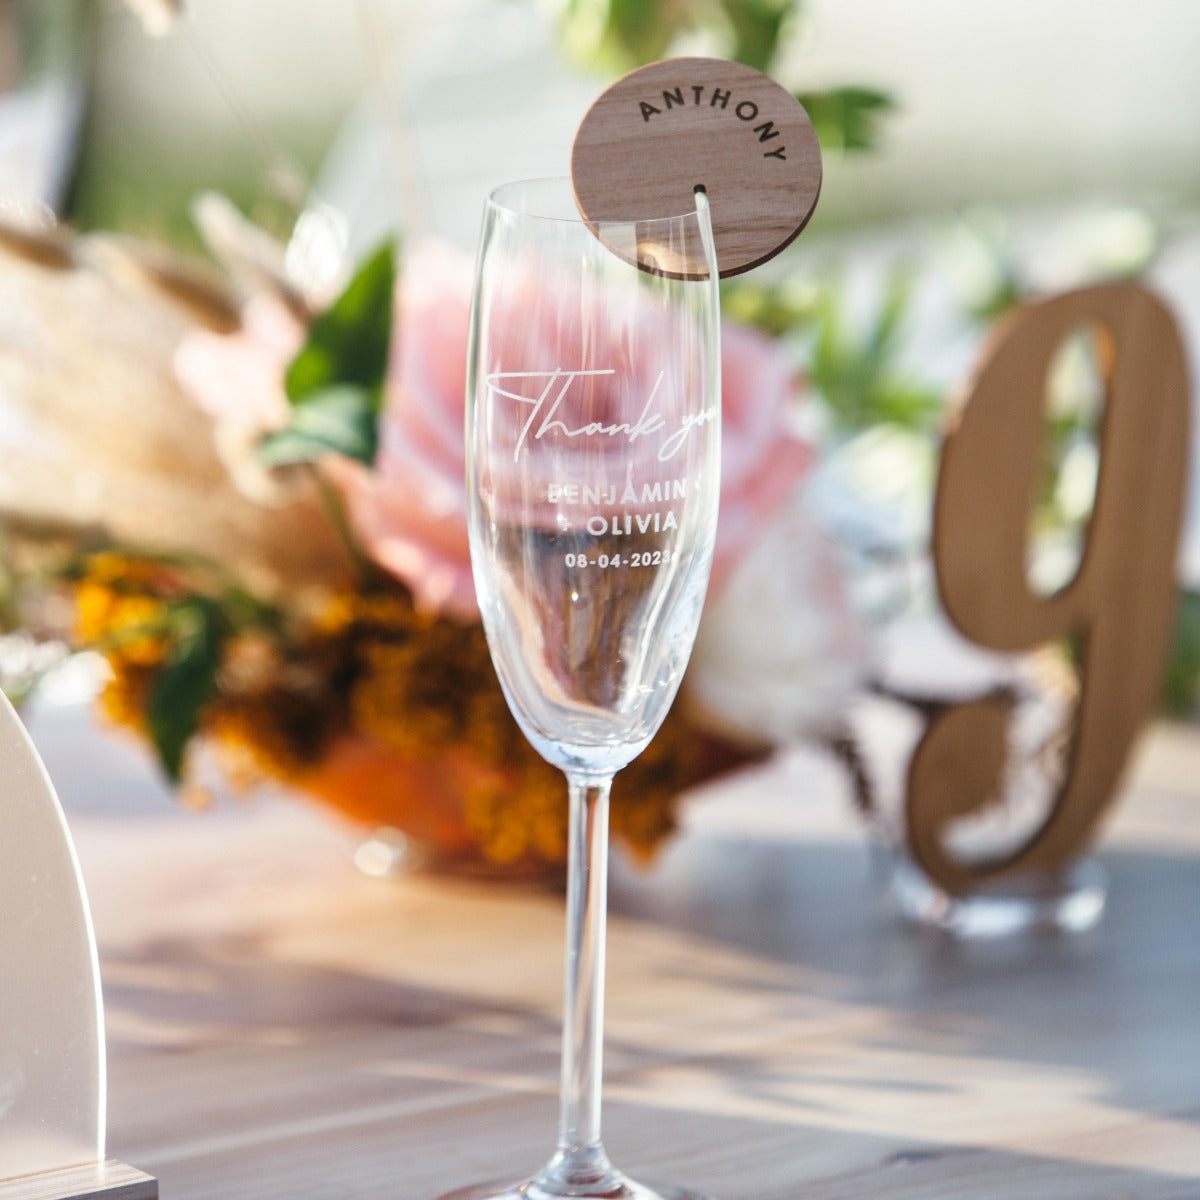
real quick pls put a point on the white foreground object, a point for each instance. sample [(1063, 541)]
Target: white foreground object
[(52, 1063)]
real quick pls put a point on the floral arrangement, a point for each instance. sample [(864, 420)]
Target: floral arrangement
[(252, 507), (359, 673), (390, 715), (275, 568), (250, 504)]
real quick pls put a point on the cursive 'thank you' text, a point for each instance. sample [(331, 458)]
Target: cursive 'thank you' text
[(545, 407)]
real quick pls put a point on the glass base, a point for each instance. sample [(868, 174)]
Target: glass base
[(616, 1187), (1070, 902)]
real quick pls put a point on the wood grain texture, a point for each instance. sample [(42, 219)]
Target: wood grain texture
[(108, 1180), (656, 135), (1118, 610), (281, 1028)]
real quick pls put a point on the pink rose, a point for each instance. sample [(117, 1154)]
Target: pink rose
[(762, 458), (410, 512)]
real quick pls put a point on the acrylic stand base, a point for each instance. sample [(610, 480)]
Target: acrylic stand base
[(108, 1180), (1071, 902)]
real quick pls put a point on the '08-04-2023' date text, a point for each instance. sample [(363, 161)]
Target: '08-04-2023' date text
[(634, 558)]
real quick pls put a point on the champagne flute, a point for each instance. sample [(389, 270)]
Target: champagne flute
[(593, 471)]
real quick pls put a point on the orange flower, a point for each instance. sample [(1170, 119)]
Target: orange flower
[(124, 627)]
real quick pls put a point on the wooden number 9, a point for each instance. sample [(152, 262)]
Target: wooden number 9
[(1118, 607)]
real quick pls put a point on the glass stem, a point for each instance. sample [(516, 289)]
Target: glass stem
[(581, 1159)]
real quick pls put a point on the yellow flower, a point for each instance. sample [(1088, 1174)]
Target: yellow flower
[(94, 604), (122, 627), (371, 667)]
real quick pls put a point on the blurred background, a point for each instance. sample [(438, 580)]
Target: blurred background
[(1024, 146), (976, 155), (1013, 103), (1062, 135)]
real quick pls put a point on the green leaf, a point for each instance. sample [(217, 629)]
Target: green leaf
[(847, 118), (187, 681), (643, 31), (349, 342), (856, 367), (908, 405), (335, 384), (618, 35), (339, 419), (777, 308), (1181, 680), (758, 27), (898, 290)]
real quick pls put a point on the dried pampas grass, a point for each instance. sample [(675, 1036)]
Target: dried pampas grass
[(97, 435)]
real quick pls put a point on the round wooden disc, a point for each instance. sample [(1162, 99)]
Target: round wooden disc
[(664, 130)]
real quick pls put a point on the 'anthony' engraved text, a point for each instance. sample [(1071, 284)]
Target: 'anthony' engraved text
[(700, 95)]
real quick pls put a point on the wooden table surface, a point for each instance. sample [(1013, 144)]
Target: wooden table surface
[(281, 1026)]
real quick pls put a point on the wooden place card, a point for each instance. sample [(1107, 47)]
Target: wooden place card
[(684, 124)]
